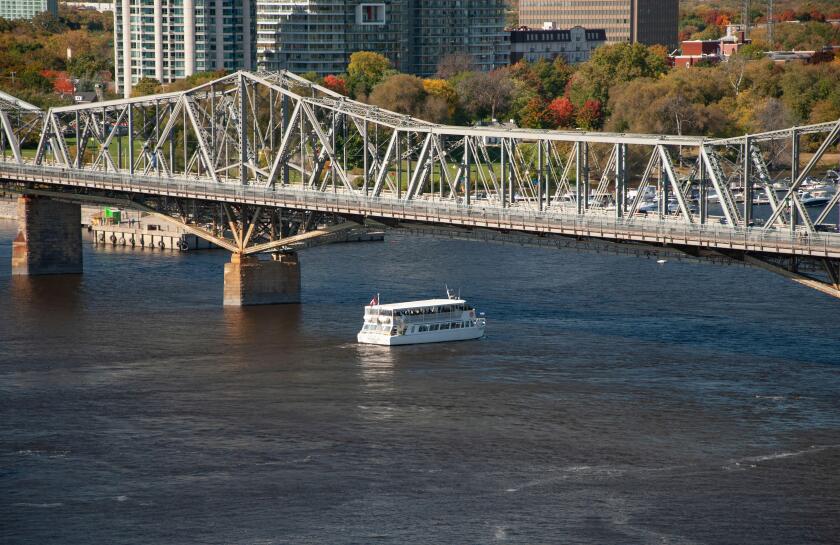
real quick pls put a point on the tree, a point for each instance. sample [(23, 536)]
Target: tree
[(336, 84), (194, 80), (535, 114), (613, 64), (146, 86), (47, 22), (453, 64), (589, 116), (561, 112), (555, 78), (312, 76), (443, 90), (401, 93), (485, 93), (366, 70), (771, 115)]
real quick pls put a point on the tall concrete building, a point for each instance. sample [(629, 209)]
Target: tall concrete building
[(644, 21), (320, 35), (26, 9), (172, 39)]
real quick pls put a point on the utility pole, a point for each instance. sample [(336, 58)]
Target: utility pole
[(746, 19), (770, 24)]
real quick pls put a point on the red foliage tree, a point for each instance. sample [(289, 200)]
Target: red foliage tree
[(60, 81), (336, 83), (590, 114), (561, 112), (787, 15)]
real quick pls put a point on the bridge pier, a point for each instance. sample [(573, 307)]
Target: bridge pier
[(49, 239), (251, 281)]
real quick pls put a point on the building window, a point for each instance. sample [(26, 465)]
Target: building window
[(370, 14)]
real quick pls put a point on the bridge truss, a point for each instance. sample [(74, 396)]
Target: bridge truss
[(280, 132)]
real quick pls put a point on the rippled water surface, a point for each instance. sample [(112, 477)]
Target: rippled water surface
[(613, 400)]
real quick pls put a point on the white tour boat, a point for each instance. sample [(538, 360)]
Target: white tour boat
[(415, 322)]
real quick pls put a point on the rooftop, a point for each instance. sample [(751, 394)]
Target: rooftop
[(419, 304)]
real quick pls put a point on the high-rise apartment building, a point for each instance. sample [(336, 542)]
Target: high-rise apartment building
[(172, 39), (644, 21), (26, 9), (320, 35), (474, 27)]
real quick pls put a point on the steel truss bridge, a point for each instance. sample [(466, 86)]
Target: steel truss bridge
[(266, 162)]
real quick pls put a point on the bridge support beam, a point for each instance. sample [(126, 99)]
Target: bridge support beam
[(49, 239), (251, 281)]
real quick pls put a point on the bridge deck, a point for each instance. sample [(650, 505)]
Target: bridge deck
[(517, 219)]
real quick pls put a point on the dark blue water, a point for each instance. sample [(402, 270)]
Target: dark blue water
[(613, 400)]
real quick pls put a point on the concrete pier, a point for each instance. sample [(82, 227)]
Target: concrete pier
[(250, 281), (49, 239)]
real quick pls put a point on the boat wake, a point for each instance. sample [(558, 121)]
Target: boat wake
[(750, 461)]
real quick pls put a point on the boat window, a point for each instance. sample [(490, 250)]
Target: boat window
[(444, 326), (434, 327), (424, 328), (456, 325)]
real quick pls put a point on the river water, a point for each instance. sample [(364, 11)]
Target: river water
[(613, 400)]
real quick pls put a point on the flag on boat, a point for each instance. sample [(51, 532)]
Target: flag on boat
[(374, 301)]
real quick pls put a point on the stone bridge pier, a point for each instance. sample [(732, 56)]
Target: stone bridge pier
[(49, 239), (252, 281)]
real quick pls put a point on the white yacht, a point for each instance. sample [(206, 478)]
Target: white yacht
[(415, 322)]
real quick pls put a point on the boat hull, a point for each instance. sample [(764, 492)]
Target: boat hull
[(462, 334)]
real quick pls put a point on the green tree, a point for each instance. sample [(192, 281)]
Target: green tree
[(614, 64), (553, 76), (47, 22), (146, 86)]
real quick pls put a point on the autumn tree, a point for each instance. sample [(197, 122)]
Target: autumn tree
[(535, 114), (484, 93), (407, 94), (146, 86), (453, 64), (366, 70), (561, 113), (443, 90), (336, 84), (589, 116)]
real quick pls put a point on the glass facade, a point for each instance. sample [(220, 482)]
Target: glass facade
[(172, 39), (320, 35), (26, 9)]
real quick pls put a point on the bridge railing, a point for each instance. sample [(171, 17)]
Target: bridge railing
[(551, 220)]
